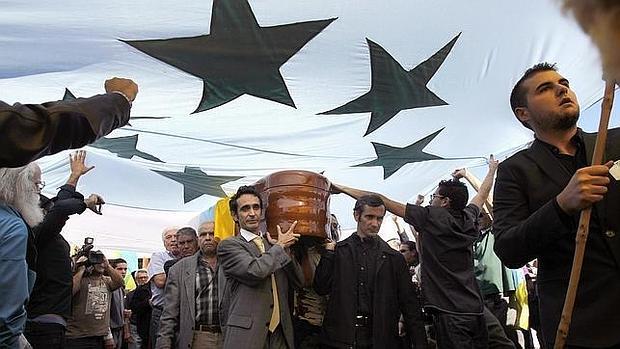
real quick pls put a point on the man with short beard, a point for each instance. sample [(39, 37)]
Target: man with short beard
[(191, 308), (19, 210), (538, 196)]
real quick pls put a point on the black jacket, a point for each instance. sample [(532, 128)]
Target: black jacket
[(138, 302), (52, 289), (393, 294), (529, 224), (30, 131)]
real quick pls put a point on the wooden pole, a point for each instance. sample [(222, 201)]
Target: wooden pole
[(584, 222)]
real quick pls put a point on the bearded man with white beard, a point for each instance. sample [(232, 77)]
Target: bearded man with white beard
[(19, 211)]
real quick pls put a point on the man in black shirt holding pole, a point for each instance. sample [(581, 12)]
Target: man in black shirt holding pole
[(538, 196)]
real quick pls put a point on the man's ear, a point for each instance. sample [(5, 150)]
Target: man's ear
[(523, 114), (356, 215), (235, 218)]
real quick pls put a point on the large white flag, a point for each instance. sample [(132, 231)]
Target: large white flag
[(389, 96)]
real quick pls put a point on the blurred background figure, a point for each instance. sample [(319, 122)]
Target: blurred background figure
[(601, 20), (157, 276), (138, 302), (117, 306)]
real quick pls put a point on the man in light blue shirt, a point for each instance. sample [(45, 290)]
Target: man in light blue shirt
[(158, 278), (19, 209)]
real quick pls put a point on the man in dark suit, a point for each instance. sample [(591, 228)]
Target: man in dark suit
[(254, 279), (538, 196), (30, 131), (368, 285)]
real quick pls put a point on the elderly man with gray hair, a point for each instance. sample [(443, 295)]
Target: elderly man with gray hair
[(158, 277), (191, 309), (19, 211)]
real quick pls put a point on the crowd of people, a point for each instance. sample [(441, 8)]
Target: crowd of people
[(282, 290)]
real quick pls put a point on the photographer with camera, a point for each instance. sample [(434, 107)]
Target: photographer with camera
[(94, 281), (50, 301)]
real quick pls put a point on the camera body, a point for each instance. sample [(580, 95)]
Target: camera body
[(93, 257)]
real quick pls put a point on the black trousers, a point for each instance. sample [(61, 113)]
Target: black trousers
[(460, 331), (497, 336), (45, 335), (499, 307), (95, 342), (307, 336), (363, 339)]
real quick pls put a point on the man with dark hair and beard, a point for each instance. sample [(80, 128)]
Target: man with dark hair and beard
[(19, 210), (538, 195)]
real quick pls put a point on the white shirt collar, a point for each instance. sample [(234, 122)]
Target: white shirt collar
[(248, 235)]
